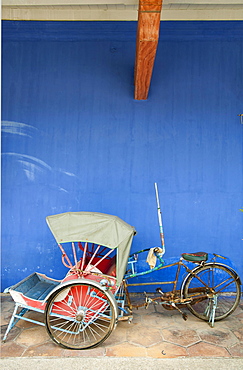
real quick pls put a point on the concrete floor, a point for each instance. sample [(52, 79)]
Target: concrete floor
[(154, 335)]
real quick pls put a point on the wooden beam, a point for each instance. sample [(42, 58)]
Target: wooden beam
[(149, 13)]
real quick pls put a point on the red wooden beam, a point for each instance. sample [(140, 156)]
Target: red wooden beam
[(149, 13)]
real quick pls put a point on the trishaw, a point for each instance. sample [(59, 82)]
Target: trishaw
[(84, 308)]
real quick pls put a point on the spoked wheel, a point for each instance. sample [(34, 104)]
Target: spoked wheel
[(80, 315), (213, 287)]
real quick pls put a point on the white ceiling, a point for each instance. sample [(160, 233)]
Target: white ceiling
[(119, 10)]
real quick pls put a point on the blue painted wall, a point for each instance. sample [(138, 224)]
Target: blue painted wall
[(74, 139)]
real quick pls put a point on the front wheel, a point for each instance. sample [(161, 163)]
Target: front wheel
[(80, 316), (212, 287)]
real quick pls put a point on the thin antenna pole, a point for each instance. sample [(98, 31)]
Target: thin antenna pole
[(159, 217)]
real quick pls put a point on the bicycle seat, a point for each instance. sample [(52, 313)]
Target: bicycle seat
[(195, 257)]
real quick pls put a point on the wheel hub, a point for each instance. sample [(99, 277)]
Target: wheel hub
[(80, 315)]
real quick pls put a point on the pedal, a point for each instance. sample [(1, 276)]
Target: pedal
[(158, 290), (147, 301), (184, 315)]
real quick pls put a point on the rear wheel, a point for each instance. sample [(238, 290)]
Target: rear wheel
[(80, 316), (212, 285)]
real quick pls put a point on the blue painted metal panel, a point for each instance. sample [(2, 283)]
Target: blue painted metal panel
[(74, 139)]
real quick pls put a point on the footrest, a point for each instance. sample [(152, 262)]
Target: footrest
[(195, 257)]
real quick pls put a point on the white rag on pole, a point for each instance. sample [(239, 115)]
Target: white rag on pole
[(151, 258)]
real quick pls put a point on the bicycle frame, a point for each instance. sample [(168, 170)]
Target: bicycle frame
[(175, 298), (174, 282)]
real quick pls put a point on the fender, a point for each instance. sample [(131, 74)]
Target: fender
[(208, 265), (92, 283)]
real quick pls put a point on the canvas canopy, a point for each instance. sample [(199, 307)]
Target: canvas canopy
[(98, 228)]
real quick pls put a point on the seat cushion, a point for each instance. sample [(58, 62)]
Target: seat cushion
[(195, 257)]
